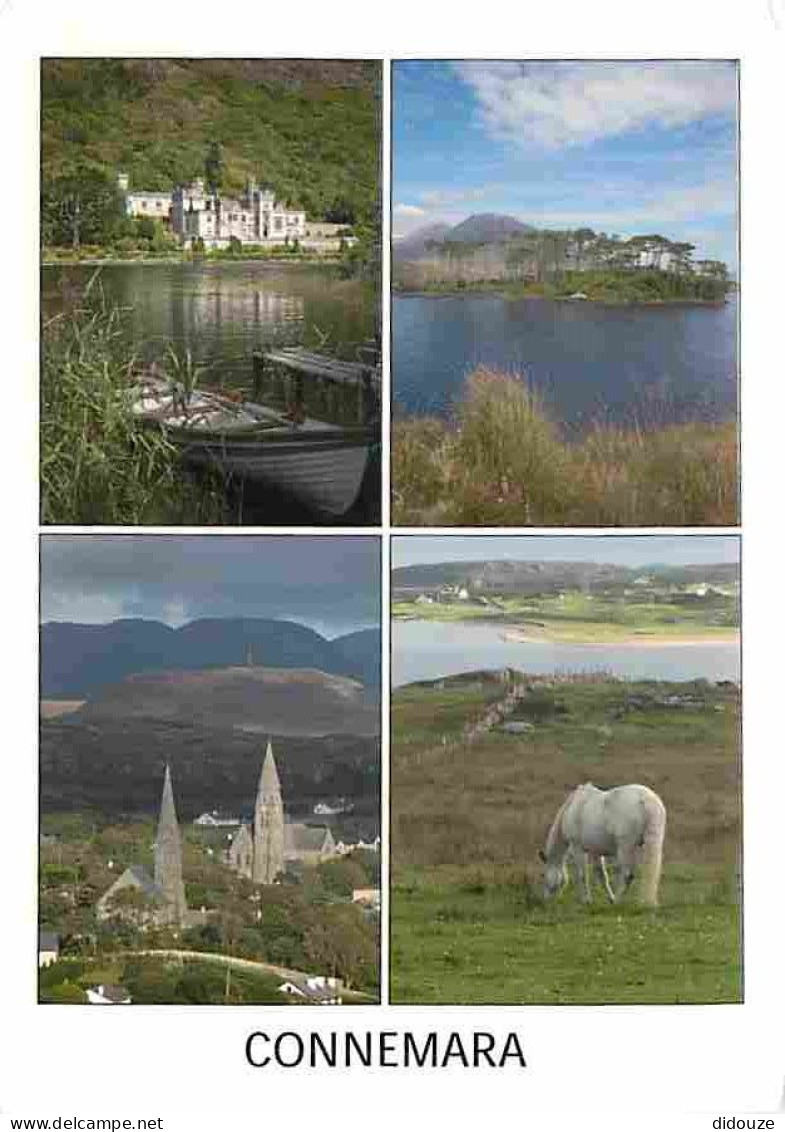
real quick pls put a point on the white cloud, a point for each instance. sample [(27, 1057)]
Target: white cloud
[(435, 198), (552, 105), (408, 210), (675, 206)]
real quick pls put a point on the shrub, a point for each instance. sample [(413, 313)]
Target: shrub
[(502, 462)]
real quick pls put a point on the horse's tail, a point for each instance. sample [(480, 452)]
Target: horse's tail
[(651, 857)]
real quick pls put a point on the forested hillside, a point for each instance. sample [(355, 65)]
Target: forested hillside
[(311, 129)]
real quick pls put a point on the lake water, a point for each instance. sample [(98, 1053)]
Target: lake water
[(222, 311), (656, 364), (424, 650)]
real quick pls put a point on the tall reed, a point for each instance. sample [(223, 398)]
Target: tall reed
[(501, 461), (97, 464)]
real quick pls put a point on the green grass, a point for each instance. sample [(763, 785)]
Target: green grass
[(467, 920), (502, 462), (489, 940)]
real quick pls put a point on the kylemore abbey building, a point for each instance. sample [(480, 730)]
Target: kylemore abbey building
[(256, 217)]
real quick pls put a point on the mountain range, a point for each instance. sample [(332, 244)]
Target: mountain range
[(508, 576), (78, 661)]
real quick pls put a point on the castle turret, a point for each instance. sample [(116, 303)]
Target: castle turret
[(168, 856), (268, 824)]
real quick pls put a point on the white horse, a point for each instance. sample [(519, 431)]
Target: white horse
[(626, 823)]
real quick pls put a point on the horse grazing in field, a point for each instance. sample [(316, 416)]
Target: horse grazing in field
[(626, 823)]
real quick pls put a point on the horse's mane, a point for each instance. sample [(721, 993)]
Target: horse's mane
[(555, 829)]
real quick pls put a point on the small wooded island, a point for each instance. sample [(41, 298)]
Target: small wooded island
[(499, 253)]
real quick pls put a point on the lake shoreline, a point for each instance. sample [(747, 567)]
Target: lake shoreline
[(512, 294), (111, 261)]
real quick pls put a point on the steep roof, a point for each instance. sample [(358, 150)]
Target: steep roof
[(135, 876), (301, 838), (269, 782), (167, 820)]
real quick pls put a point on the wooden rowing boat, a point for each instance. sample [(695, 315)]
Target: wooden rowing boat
[(320, 464)]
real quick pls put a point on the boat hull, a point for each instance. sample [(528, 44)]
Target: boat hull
[(324, 472)]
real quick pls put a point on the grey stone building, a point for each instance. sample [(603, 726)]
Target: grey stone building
[(168, 874), (261, 851), (268, 824), (163, 894), (257, 853)]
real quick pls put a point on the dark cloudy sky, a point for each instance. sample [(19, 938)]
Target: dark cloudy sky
[(330, 584)]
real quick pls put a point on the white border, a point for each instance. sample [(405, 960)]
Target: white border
[(164, 1062)]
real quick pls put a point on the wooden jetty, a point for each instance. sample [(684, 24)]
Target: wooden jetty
[(343, 390), (299, 360)]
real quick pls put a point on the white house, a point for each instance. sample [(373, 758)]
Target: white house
[(156, 204), (107, 994), (368, 898), (322, 990), (48, 948), (215, 819)]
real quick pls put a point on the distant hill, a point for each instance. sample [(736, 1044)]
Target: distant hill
[(487, 228), (212, 726), (416, 243), (543, 577), (78, 661), (481, 228), (362, 655), (110, 767), (260, 700), (311, 129)]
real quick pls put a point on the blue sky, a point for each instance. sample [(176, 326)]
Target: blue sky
[(623, 550), (331, 584), (623, 148)]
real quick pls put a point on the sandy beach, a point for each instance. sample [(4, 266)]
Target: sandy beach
[(631, 640)]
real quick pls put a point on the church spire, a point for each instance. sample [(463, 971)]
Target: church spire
[(268, 823), (168, 855)]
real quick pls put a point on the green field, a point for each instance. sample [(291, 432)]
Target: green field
[(468, 924), (577, 616)]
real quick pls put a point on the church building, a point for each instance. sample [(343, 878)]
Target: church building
[(261, 851), (160, 899), (257, 853)]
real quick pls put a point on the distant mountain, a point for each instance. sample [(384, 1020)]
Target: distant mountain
[(78, 661), (416, 243), (481, 228), (362, 654), (487, 228), (544, 577)]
